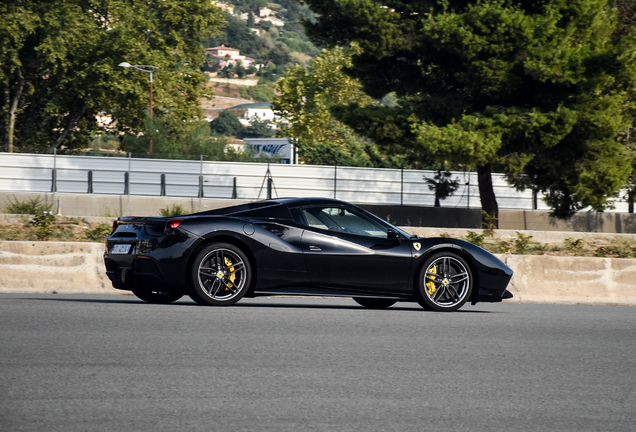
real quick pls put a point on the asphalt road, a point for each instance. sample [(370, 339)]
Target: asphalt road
[(113, 363)]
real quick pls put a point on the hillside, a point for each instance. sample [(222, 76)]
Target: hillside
[(270, 38)]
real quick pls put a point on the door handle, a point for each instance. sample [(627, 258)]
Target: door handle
[(315, 249)]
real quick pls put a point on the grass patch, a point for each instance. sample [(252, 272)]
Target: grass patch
[(174, 210), (60, 229), (27, 207)]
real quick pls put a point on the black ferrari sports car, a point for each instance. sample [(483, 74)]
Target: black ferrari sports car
[(297, 246)]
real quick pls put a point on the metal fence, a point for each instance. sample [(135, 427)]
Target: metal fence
[(21, 172)]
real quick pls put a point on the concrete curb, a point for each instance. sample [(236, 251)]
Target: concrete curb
[(78, 268), (47, 267), (572, 280)]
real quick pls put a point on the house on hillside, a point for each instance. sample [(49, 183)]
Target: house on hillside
[(264, 14), (225, 56), (224, 7), (276, 22), (262, 111)]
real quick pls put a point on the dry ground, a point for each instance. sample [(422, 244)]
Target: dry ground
[(62, 229)]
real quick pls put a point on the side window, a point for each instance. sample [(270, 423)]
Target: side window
[(343, 220)]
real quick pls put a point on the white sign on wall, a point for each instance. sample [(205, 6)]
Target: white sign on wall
[(276, 148)]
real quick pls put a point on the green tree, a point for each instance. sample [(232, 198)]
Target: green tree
[(541, 90), (347, 149), (237, 35), (190, 142), (305, 98), (257, 129), (261, 93), (59, 66), (265, 25), (226, 124)]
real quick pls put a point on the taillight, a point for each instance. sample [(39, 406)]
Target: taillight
[(114, 226), (172, 225)]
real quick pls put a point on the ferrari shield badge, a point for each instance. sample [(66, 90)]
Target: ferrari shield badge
[(417, 246)]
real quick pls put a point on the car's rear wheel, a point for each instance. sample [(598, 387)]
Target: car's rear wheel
[(374, 303), (221, 275), (445, 282), (161, 297)]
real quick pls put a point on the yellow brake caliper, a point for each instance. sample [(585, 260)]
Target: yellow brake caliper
[(431, 284), (233, 275)]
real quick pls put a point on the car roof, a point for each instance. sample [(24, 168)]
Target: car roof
[(289, 202), (272, 208), (296, 202)]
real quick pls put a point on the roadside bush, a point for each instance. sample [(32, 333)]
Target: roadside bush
[(521, 243), (175, 210), (474, 238), (99, 233), (489, 221), (30, 207), (44, 223), (504, 247), (575, 246)]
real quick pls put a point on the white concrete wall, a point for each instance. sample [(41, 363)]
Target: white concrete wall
[(47, 267), (572, 280)]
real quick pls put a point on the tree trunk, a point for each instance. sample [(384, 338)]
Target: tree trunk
[(72, 121), (487, 196), (13, 108)]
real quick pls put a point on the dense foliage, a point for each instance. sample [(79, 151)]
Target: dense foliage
[(59, 66), (228, 124), (281, 47), (190, 141), (541, 90), (306, 96)]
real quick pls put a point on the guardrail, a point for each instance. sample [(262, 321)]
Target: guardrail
[(23, 172)]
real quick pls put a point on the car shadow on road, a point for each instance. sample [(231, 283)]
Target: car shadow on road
[(252, 303), (413, 308)]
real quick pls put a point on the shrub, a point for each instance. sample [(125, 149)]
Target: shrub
[(261, 93), (540, 248), (489, 222), (99, 233), (522, 242), (226, 124), (474, 238), (175, 210), (32, 206), (503, 247), (575, 246), (44, 222)]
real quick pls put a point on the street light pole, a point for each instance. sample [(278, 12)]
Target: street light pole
[(150, 70)]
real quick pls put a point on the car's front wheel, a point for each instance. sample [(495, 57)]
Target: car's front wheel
[(221, 275), (445, 282), (161, 297), (374, 303)]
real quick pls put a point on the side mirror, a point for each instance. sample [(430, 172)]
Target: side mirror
[(392, 234)]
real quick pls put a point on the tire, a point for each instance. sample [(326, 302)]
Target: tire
[(159, 297), (445, 282), (374, 303), (221, 275)]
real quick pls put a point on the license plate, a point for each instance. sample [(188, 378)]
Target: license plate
[(120, 249)]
